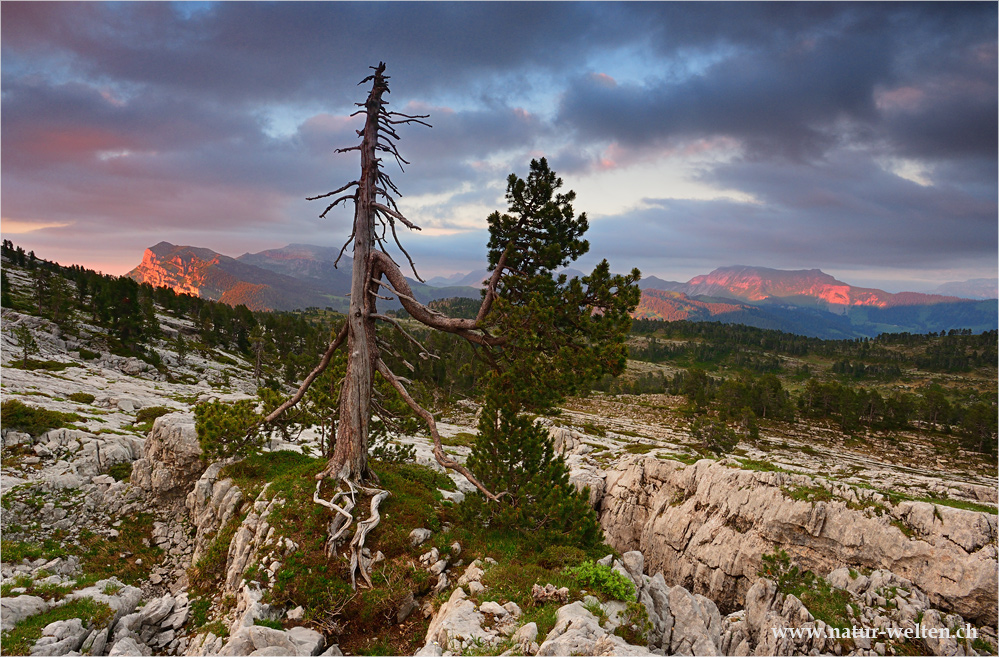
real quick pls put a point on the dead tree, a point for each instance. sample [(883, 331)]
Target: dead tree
[(374, 274), (558, 332)]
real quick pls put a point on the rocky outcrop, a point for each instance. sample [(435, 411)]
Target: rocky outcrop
[(706, 527), (578, 632), (462, 623), (211, 504), (171, 459)]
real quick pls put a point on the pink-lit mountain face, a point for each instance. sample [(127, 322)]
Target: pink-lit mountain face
[(812, 287), (211, 275)]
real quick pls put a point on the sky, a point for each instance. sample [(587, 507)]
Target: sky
[(857, 138)]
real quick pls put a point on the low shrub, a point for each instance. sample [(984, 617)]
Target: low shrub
[(150, 413), (594, 576), (18, 415), (561, 556), (81, 397)]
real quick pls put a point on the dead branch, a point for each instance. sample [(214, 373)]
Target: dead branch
[(392, 213), (335, 191), (345, 197), (467, 328), (391, 320), (439, 453), (319, 369)]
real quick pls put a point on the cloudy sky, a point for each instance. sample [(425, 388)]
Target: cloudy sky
[(858, 138)]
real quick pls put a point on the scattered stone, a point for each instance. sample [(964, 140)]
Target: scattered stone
[(549, 593), (419, 536)]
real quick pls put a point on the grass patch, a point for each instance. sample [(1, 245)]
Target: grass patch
[(127, 556), (460, 439), (16, 551), (762, 466), (639, 448), (82, 397), (594, 429), (826, 603), (808, 493), (13, 455), (687, 459), (19, 640), (206, 575), (959, 504)]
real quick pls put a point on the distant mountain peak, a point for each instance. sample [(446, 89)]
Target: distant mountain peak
[(286, 278)]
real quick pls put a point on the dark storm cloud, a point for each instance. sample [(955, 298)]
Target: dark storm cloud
[(147, 118), (302, 51), (799, 92)]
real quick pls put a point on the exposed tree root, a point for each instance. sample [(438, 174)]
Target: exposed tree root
[(344, 519)]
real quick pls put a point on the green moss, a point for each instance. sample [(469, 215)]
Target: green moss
[(82, 397)]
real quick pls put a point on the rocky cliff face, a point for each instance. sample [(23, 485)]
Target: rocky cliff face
[(211, 275), (706, 526)]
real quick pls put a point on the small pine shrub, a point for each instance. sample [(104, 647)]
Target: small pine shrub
[(150, 413), (513, 456), (594, 576), (86, 354), (636, 626), (226, 430)]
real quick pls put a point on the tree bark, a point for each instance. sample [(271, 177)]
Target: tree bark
[(350, 455)]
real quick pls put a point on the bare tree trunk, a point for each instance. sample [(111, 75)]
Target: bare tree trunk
[(350, 455)]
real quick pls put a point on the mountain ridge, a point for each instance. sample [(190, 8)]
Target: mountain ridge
[(292, 277)]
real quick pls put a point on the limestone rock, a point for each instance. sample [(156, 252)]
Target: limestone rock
[(419, 536), (18, 608), (707, 526), (457, 622), (131, 647), (171, 461), (578, 632)]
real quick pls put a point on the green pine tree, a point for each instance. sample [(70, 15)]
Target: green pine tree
[(515, 455), (26, 343), (560, 335)]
